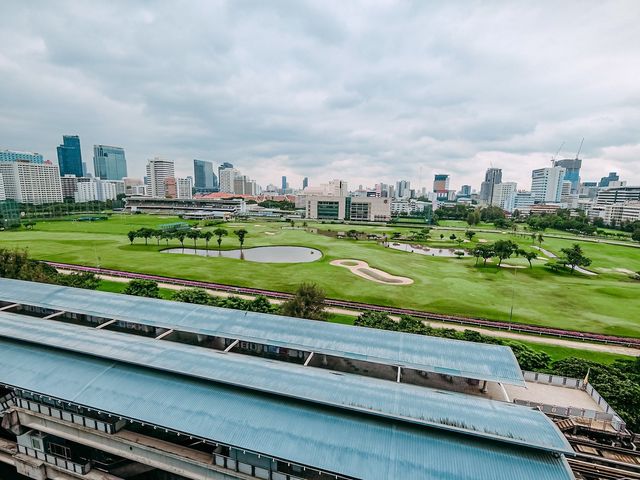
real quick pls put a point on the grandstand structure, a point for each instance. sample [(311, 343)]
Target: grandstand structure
[(107, 386)]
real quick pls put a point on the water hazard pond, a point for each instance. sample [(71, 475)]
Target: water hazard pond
[(277, 254)]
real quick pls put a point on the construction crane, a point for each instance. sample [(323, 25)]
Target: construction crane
[(553, 159), (579, 149)]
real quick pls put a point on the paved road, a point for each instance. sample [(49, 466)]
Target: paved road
[(594, 347)]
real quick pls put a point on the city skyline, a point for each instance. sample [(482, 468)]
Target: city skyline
[(343, 92)]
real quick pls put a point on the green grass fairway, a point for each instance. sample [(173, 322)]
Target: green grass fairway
[(608, 303)]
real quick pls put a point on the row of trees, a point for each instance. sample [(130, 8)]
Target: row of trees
[(307, 302), (182, 235), (502, 249), (618, 383), (17, 264)]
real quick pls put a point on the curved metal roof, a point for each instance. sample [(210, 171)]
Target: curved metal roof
[(439, 355), (446, 410), (329, 439)]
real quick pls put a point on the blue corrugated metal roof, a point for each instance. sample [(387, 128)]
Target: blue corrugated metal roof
[(465, 359), (448, 410), (362, 446)]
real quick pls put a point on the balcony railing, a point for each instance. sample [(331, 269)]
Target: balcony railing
[(81, 468)]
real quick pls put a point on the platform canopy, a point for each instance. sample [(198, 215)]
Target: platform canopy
[(478, 361)]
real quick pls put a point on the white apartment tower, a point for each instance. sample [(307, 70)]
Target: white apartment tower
[(227, 179), (158, 171), (34, 183), (546, 184), (504, 195), (185, 187)]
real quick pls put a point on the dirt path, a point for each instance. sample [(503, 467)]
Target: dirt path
[(594, 347)]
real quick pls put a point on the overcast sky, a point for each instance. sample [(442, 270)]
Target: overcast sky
[(363, 91)]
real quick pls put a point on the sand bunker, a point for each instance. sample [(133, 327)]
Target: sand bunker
[(362, 269), (269, 233)]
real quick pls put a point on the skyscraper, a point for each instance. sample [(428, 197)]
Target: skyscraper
[(14, 156), (546, 184), (441, 185), (305, 182), (70, 156), (403, 189), (205, 180), (612, 177), (157, 172), (572, 171), (109, 163), (284, 184), (465, 191), (493, 176), (226, 177)]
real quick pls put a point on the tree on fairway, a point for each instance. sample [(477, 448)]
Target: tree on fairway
[(484, 251), (207, 238), (194, 235), (452, 236), (181, 236), (142, 288), (145, 233), (575, 257), (530, 256), (308, 302), (469, 234), (459, 253), (533, 238), (158, 235), (636, 235), (220, 232), (504, 249), (540, 238), (167, 236), (132, 236), (241, 234)]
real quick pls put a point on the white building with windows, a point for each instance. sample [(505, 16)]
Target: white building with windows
[(504, 196), (547, 183), (3, 195), (28, 182), (227, 178), (95, 190), (158, 171), (523, 201), (185, 187)]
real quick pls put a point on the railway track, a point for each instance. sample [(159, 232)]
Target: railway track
[(599, 461), (477, 322)]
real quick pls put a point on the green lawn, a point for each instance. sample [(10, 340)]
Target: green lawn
[(608, 303), (558, 353)]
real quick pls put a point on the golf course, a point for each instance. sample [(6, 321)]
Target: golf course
[(607, 302)]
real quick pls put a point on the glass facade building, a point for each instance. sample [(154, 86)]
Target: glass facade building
[(70, 156), (109, 163), (204, 179), (572, 171)]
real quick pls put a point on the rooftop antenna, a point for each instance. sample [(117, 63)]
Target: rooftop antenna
[(553, 159), (579, 149)]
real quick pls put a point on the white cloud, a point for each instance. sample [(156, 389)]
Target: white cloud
[(369, 91)]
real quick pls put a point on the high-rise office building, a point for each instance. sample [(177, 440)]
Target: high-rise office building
[(227, 176), (158, 171), (285, 185), (441, 186), (403, 189), (15, 156), (612, 177), (34, 183), (546, 184), (492, 177), (572, 171), (70, 156), (465, 191), (109, 163), (305, 182), (205, 180)]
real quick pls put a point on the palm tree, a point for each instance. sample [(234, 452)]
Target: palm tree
[(220, 232), (241, 234), (540, 239)]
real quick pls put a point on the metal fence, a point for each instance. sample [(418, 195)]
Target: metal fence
[(608, 415)]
